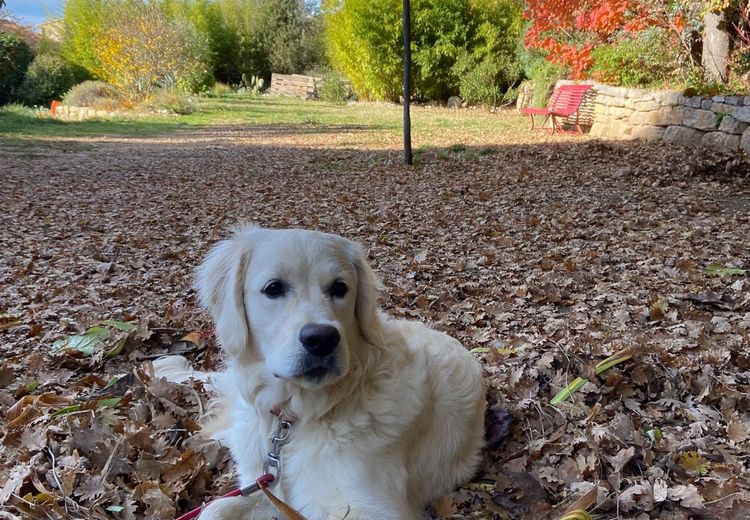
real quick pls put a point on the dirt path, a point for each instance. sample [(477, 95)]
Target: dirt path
[(553, 256)]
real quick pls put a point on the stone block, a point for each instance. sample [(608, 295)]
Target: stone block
[(672, 115), (694, 102), (609, 90), (721, 140), (647, 106), (746, 101), (706, 104), (731, 125), (667, 116), (619, 112), (648, 133), (635, 93), (629, 104), (600, 110), (742, 114), (733, 100), (722, 108), (674, 98), (718, 99), (612, 129), (700, 119), (683, 136), (745, 141)]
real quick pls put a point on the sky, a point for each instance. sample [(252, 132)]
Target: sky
[(34, 12)]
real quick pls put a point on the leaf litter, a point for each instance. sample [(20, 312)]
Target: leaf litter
[(546, 258)]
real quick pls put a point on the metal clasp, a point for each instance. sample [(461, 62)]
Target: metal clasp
[(272, 464)]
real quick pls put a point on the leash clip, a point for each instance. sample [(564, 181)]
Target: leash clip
[(272, 464)]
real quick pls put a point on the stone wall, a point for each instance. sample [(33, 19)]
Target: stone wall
[(630, 113), (69, 113)]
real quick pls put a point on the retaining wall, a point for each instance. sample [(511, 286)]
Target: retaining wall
[(70, 113), (652, 115)]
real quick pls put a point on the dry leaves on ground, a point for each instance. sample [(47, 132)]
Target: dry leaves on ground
[(545, 258)]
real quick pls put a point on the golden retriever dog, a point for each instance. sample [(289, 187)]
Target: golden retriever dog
[(388, 415)]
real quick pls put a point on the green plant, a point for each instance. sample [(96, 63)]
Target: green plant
[(15, 57), (333, 88), (364, 42), (543, 76), (484, 82), (95, 94), (171, 101), (643, 61), (220, 89), (47, 78)]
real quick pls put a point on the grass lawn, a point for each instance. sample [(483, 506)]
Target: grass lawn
[(544, 255), (376, 123)]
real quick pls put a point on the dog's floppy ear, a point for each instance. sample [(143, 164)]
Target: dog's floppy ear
[(220, 281), (366, 307)]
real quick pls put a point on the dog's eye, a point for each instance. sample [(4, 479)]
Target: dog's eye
[(274, 289), (338, 289)]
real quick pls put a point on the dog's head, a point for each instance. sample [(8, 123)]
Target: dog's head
[(301, 302)]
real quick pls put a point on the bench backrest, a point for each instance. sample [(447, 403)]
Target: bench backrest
[(566, 99)]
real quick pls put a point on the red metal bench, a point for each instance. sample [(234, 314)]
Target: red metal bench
[(565, 101)]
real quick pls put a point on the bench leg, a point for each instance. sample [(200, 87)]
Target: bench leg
[(555, 124)]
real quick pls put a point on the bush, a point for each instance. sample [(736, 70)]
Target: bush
[(364, 41), (484, 82), (220, 89), (333, 88), (542, 73), (94, 94), (47, 78), (15, 57), (543, 76), (646, 61)]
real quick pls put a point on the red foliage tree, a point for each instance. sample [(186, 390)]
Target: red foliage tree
[(568, 30)]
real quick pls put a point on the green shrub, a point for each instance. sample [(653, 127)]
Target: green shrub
[(645, 61), (544, 76), (485, 81), (95, 94), (15, 57), (333, 88), (220, 89), (47, 78), (364, 41)]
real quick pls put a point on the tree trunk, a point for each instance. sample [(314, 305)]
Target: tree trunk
[(715, 59)]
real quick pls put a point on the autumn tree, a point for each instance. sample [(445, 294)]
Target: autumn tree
[(569, 30), (142, 47)]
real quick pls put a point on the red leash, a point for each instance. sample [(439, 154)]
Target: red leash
[(260, 483)]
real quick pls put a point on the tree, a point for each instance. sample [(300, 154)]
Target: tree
[(15, 57), (363, 40), (47, 78), (141, 47), (569, 30), (84, 19)]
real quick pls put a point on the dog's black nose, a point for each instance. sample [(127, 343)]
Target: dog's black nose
[(319, 340)]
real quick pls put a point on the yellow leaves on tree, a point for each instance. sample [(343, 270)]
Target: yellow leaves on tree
[(141, 48)]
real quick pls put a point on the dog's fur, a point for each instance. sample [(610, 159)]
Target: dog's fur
[(383, 425)]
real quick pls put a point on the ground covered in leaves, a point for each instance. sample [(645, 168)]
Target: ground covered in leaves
[(543, 255)]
